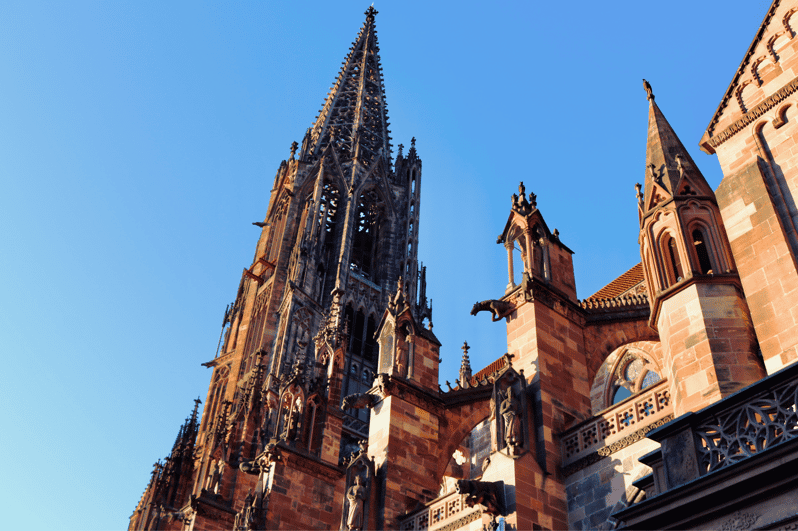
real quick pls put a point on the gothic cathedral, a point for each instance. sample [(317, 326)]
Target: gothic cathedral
[(666, 400)]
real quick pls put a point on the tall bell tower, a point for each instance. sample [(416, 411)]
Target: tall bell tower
[(340, 236)]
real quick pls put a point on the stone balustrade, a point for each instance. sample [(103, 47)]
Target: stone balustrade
[(446, 513), (616, 423)]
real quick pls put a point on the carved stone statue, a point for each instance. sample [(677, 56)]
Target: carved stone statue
[(356, 496), (215, 476), (509, 410)]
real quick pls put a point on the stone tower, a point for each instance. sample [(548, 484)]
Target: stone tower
[(340, 234), (697, 302)]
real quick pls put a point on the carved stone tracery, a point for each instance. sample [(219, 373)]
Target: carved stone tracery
[(766, 420)]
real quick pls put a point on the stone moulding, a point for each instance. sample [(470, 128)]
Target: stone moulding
[(748, 118), (606, 451)]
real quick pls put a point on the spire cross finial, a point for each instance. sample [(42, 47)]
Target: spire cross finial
[(413, 142), (649, 92), (370, 12), (465, 348)]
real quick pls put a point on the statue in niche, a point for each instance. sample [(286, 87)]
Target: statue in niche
[(291, 419), (509, 410), (215, 477), (356, 496)]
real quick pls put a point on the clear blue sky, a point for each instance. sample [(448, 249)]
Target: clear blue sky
[(139, 140)]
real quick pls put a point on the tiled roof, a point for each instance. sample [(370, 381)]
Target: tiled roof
[(490, 369), (621, 285)]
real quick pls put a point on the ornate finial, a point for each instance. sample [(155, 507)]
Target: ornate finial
[(401, 147), (465, 368), (556, 234), (521, 189), (370, 12), (649, 93), (533, 200), (294, 147), (413, 142), (639, 194)]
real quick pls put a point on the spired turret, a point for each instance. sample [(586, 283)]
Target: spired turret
[(694, 289)]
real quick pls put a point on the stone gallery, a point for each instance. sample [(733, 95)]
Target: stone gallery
[(667, 400)]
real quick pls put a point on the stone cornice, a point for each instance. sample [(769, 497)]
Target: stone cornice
[(394, 386), (709, 143), (740, 70)]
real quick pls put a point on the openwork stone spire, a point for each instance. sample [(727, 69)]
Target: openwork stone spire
[(355, 116)]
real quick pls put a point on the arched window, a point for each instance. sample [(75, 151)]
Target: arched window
[(701, 246), (367, 228), (633, 374), (672, 262)]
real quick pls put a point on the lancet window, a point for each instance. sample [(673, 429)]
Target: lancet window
[(366, 240), (701, 246), (328, 216), (672, 261)]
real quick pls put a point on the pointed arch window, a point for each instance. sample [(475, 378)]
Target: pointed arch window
[(701, 246), (366, 238), (633, 374), (672, 261), (329, 204)]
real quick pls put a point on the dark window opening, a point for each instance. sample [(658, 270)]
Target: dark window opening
[(364, 248), (370, 343), (700, 244), (356, 346), (674, 272)]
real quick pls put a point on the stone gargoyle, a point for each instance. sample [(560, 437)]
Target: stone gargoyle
[(489, 494), (359, 401), (497, 308)]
